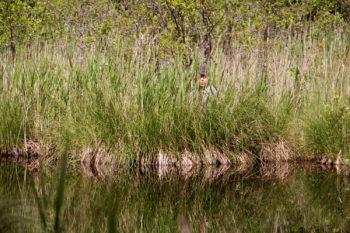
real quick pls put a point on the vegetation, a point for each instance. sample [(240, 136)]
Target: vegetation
[(120, 75)]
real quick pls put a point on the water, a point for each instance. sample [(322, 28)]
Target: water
[(287, 198)]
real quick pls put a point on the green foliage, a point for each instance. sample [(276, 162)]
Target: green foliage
[(173, 27), (13, 16), (22, 22)]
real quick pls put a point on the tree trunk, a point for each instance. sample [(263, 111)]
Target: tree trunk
[(12, 44), (228, 30), (266, 36), (81, 33)]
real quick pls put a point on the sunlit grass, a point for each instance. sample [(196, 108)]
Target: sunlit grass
[(125, 103)]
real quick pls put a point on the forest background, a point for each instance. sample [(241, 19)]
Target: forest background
[(172, 27)]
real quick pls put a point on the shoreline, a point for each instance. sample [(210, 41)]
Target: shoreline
[(101, 162)]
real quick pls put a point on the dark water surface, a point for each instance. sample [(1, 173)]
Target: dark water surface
[(287, 198)]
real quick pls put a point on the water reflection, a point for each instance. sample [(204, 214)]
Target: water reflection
[(271, 198)]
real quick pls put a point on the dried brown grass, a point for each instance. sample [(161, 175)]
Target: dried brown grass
[(278, 152)]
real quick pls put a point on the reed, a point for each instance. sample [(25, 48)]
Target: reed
[(127, 104)]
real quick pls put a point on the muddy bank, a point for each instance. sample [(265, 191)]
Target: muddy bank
[(100, 161)]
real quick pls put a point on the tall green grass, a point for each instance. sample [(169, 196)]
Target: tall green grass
[(123, 102), (327, 131)]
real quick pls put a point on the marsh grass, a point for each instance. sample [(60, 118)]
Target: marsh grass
[(123, 102), (328, 133)]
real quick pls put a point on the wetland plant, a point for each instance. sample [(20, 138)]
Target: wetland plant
[(132, 108)]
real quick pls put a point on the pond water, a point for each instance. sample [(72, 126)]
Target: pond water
[(286, 198)]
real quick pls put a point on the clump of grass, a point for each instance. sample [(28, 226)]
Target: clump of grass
[(327, 132), (12, 122)]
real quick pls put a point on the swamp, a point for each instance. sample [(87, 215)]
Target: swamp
[(174, 116)]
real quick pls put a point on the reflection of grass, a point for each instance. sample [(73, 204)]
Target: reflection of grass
[(14, 212), (10, 219), (253, 207), (125, 104), (302, 202), (43, 200)]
